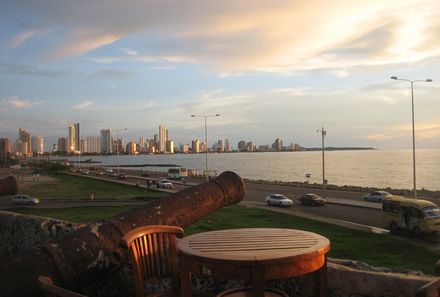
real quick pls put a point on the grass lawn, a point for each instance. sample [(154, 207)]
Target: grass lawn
[(78, 187), (374, 249)]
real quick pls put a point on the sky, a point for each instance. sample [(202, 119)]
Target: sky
[(271, 69)]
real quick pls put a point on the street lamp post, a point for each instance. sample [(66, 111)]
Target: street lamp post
[(117, 146), (72, 148), (206, 139), (323, 133), (413, 130)]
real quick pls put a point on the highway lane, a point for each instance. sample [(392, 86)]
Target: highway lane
[(254, 192), (359, 215)]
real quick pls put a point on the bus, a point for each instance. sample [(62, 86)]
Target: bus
[(177, 173), (416, 215)]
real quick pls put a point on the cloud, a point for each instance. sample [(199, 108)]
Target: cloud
[(243, 35), (84, 105), (423, 131), (21, 38), (111, 74), (27, 70), (16, 103)]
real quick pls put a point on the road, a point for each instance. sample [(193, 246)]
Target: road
[(370, 215), (256, 194)]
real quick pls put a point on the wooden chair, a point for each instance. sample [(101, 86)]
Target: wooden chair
[(246, 292), (154, 255), (50, 290), (431, 289)]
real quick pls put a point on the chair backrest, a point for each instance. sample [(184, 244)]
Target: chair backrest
[(50, 290), (154, 255), (431, 289)]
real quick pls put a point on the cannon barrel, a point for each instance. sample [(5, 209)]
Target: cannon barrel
[(87, 254), (8, 186)]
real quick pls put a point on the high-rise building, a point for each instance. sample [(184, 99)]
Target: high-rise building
[(5, 148), (118, 146), (37, 145), (77, 137), (131, 148), (91, 145), (250, 147), (277, 145), (106, 141), (195, 148), (241, 146), (63, 145), (228, 147), (170, 147), (203, 147), (141, 145), (163, 138), (24, 142), (220, 146), (74, 138), (184, 148)]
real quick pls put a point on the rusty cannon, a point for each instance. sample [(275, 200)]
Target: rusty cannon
[(8, 186), (81, 257)]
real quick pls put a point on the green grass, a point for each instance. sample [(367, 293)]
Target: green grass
[(374, 249), (76, 214), (78, 187)]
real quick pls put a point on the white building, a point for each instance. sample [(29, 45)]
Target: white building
[(91, 145)]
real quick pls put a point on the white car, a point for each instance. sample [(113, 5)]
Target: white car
[(164, 183), (24, 200), (279, 200), (377, 196)]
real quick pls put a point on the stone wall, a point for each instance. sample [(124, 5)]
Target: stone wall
[(20, 232)]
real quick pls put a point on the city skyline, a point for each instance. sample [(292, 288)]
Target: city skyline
[(26, 143), (271, 69)]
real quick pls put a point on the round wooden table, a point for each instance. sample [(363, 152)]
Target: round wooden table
[(255, 254)]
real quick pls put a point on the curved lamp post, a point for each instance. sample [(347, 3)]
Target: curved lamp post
[(413, 132), (117, 146), (206, 138)]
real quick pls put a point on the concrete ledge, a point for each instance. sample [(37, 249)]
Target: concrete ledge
[(344, 280)]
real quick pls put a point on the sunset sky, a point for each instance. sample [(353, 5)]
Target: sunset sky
[(269, 68)]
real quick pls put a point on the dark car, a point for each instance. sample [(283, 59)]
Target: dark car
[(312, 199), (122, 176)]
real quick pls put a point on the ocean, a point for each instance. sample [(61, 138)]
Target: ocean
[(366, 168)]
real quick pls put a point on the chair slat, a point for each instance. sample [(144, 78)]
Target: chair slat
[(153, 251)]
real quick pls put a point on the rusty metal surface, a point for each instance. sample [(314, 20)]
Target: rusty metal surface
[(8, 186), (89, 253)]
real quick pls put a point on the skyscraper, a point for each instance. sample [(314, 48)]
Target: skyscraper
[(37, 145), (228, 147), (241, 146), (195, 148), (91, 145), (5, 148), (74, 138), (106, 141), (163, 138), (63, 146), (77, 137), (24, 143)]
